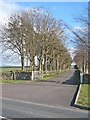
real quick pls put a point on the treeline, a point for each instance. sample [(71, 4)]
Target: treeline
[(38, 38), (82, 53)]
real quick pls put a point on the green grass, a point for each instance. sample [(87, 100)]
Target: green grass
[(15, 81), (7, 69), (11, 68), (46, 77), (84, 96), (49, 76)]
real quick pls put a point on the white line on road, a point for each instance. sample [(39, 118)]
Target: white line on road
[(45, 105), (4, 118)]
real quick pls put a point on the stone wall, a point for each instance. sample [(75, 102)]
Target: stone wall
[(23, 75)]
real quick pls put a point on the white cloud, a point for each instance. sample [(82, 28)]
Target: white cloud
[(72, 52), (80, 28), (6, 8)]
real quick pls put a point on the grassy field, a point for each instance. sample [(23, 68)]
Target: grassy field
[(11, 68), (84, 96)]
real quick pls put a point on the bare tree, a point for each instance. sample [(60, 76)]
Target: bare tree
[(13, 37), (35, 33), (82, 40)]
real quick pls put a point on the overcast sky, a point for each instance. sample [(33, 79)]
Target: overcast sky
[(60, 10)]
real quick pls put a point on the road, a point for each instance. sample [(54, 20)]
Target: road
[(22, 109), (48, 92), (41, 99)]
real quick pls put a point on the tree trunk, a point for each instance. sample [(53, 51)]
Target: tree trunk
[(46, 63), (89, 62), (89, 38), (22, 55), (27, 63), (40, 65), (41, 68), (57, 64), (22, 62)]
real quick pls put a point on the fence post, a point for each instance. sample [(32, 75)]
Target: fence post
[(81, 77)]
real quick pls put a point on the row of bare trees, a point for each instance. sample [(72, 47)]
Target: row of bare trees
[(38, 39), (82, 57)]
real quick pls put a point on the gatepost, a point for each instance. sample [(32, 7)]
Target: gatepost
[(81, 77)]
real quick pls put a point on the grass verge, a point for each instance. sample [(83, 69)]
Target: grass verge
[(15, 81), (84, 96), (49, 76), (46, 77)]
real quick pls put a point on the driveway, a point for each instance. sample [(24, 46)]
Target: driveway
[(51, 93)]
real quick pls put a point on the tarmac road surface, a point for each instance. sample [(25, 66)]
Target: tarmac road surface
[(50, 92), (41, 99), (22, 109)]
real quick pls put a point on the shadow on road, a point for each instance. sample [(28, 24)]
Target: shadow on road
[(74, 79)]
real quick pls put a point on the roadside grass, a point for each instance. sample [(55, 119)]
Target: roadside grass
[(49, 76), (84, 96), (46, 77), (15, 81)]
